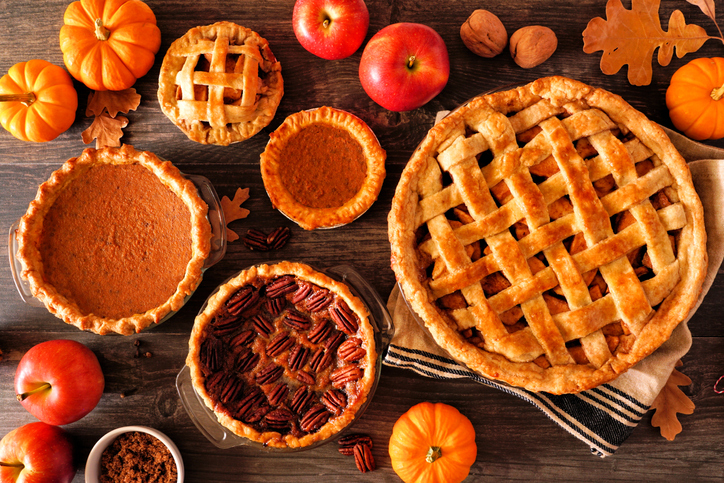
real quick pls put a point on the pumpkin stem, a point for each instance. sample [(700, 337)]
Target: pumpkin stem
[(102, 33), (717, 94), (433, 453), (27, 98)]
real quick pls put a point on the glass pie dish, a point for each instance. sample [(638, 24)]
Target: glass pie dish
[(215, 216), (208, 422)]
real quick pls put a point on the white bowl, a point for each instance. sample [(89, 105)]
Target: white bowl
[(93, 464)]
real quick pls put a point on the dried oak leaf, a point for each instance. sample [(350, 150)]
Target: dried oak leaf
[(706, 6), (233, 211), (106, 130), (113, 102), (631, 36), (670, 401)]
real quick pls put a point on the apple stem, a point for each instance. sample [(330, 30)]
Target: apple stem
[(410, 61), (325, 24), (43, 387), (13, 465)]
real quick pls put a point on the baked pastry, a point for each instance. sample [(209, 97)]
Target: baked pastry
[(548, 236), (220, 83), (323, 168), (283, 355), (114, 241)]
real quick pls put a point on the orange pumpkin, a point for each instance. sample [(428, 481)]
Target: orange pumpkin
[(694, 98), (432, 442), (108, 44), (38, 101)]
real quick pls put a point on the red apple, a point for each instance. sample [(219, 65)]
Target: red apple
[(37, 453), (59, 381), (404, 66), (330, 29)]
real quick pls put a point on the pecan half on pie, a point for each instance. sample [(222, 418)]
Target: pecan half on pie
[(323, 168), (220, 83), (114, 241), (548, 236), (283, 355)]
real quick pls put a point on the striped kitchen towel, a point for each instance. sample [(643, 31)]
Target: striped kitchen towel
[(605, 416)]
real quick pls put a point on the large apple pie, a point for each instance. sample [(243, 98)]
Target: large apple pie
[(548, 236)]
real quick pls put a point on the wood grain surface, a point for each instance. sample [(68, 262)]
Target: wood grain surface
[(515, 441)]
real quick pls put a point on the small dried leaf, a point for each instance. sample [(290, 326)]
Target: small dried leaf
[(113, 102), (106, 130), (233, 211), (629, 37), (706, 6), (670, 401)]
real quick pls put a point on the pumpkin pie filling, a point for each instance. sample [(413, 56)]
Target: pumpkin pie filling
[(125, 241)]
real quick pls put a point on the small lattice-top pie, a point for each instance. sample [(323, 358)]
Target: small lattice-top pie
[(283, 355), (114, 241), (323, 168), (220, 83), (548, 236)]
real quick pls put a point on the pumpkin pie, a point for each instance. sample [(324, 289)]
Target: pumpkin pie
[(548, 236), (323, 168), (220, 83), (114, 241), (283, 355)]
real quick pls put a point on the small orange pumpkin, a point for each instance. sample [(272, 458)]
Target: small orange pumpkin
[(38, 101), (694, 98), (109, 44), (432, 442)]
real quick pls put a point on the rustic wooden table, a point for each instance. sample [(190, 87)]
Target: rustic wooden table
[(515, 441)]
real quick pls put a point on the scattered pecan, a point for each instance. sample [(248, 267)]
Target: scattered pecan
[(281, 286), (321, 360), (243, 299), (318, 300), (351, 350), (274, 306), (302, 292), (262, 325), (334, 341), (278, 238), (363, 458), (255, 240), (344, 317), (301, 399), (319, 332), (279, 344), (211, 354), (269, 374), (314, 418), (343, 375), (335, 401), (246, 360), (243, 338), (298, 357), (277, 395), (305, 378), (295, 320), (347, 443)]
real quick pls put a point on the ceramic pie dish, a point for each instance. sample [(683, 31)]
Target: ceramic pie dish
[(548, 236), (116, 240), (284, 357)]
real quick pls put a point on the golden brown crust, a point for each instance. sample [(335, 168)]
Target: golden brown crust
[(311, 218), (269, 272), (647, 330), (30, 232), (214, 120)]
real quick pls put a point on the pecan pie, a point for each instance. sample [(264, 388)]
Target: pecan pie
[(114, 241), (220, 83), (548, 236), (283, 355), (323, 168)]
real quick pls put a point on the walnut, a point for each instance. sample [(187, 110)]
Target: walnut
[(532, 45), (484, 34)]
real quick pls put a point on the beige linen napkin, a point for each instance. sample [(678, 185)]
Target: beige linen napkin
[(605, 416)]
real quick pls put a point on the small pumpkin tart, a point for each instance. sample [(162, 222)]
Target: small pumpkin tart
[(114, 241), (283, 355), (220, 83), (323, 168)]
